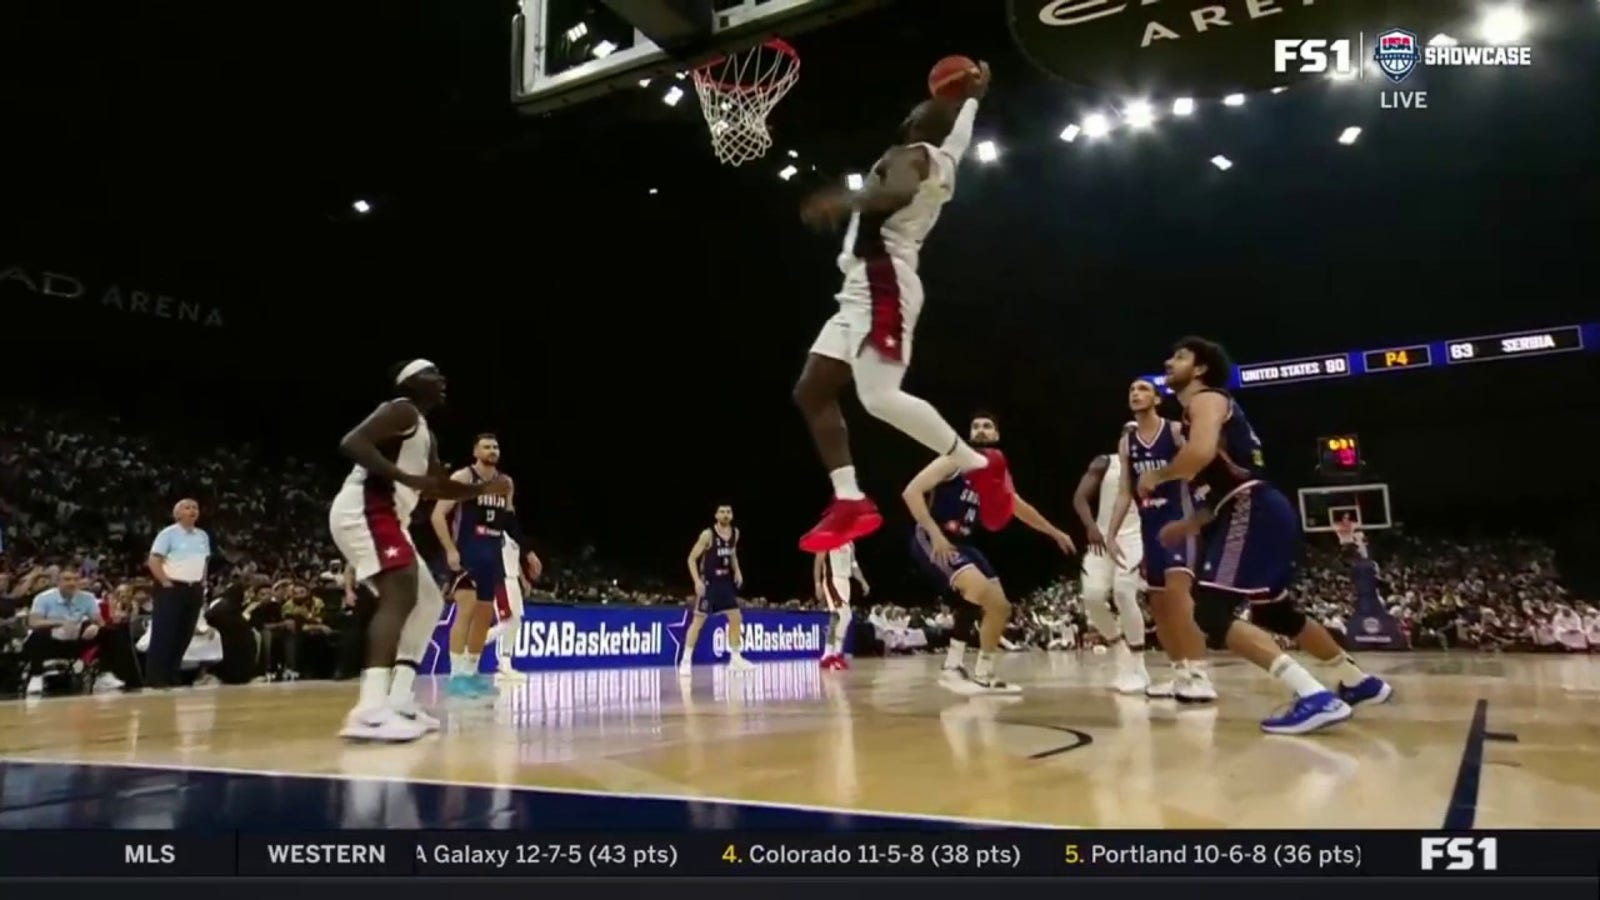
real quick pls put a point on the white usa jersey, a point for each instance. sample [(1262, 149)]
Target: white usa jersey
[(841, 562), (1110, 487), (900, 234), (411, 453)]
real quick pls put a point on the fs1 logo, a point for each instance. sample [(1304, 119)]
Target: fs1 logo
[(1313, 55), (1462, 854)]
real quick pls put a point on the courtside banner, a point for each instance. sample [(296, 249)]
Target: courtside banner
[(619, 637)]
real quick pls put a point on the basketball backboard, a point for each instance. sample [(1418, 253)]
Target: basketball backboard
[(1367, 505), (568, 51)]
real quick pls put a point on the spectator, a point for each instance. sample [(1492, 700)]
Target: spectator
[(178, 560), (63, 622)]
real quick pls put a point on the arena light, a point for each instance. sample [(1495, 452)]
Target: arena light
[(1096, 125), (672, 96), (1503, 24), (577, 32), (1139, 114), (603, 49), (654, 191), (1443, 40), (1349, 135), (794, 154), (1279, 89), (361, 206), (1183, 106), (1070, 133), (1222, 162), (988, 151), (644, 82), (1233, 100), (788, 172), (854, 181)]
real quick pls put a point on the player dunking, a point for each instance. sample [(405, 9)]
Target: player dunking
[(945, 508), (1150, 442), (395, 463), (869, 339), (1250, 536), (473, 549), (1103, 575), (832, 573), (714, 566)]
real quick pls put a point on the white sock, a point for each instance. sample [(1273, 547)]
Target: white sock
[(985, 667), (844, 483), (1344, 670), (955, 654), (461, 665), (1295, 676), (401, 695), (374, 688), (1136, 660), (1198, 668), (1121, 653)]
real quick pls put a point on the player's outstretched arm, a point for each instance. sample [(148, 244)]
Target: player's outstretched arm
[(1089, 488), (1031, 517)]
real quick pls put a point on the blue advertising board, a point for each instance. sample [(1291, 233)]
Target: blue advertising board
[(617, 637)]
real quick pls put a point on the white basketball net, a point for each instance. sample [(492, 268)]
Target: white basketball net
[(736, 94)]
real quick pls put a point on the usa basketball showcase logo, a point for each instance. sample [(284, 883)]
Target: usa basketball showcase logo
[(1397, 53)]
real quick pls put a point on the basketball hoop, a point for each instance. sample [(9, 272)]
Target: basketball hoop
[(737, 92), (1346, 531)]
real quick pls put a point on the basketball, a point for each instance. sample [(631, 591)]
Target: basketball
[(950, 75)]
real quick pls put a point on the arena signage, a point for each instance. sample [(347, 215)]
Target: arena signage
[(112, 296), (614, 637), (1201, 47)]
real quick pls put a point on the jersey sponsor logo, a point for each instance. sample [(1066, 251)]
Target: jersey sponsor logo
[(565, 640)]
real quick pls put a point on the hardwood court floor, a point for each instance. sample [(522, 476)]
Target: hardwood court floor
[(1485, 740)]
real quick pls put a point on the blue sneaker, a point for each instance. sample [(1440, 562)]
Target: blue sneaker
[(462, 687), (484, 685), (1370, 689), (1309, 714)]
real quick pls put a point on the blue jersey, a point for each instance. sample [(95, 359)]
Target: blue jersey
[(481, 522), (716, 564), (1167, 501), (1239, 463), (954, 505)]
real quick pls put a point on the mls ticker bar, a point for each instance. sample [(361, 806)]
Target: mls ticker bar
[(703, 854)]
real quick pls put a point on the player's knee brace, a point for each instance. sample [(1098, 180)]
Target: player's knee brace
[(1214, 613), (1279, 617)]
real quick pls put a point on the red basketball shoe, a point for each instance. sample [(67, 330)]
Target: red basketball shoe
[(997, 497), (845, 521)]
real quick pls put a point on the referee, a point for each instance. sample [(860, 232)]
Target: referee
[(178, 564)]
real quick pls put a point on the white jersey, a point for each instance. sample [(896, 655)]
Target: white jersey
[(840, 562), (1110, 487), (412, 456), (900, 236)]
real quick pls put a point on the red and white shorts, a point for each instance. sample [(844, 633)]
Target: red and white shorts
[(367, 529), (878, 309)]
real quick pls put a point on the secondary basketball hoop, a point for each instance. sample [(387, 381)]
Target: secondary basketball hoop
[(738, 91)]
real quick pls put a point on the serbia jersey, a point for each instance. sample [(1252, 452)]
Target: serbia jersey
[(1170, 502), (899, 235), (1253, 539), (716, 569), (481, 521), (954, 506)]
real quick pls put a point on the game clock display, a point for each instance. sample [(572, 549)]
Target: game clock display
[(1339, 453)]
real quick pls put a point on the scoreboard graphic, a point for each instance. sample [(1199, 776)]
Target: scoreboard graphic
[(1451, 352)]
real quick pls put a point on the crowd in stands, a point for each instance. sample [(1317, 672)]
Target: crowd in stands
[(87, 494)]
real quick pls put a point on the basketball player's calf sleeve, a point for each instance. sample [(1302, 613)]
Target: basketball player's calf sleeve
[(878, 387), (1213, 612)]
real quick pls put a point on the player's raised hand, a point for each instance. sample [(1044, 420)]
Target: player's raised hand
[(978, 87)]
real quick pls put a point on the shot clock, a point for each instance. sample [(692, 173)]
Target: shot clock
[(1339, 454)]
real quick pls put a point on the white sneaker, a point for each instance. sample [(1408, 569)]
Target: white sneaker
[(1131, 681), (36, 686), (108, 682), (685, 666), (414, 712), (1160, 690), (739, 664), (993, 685), (382, 724), (1197, 688)]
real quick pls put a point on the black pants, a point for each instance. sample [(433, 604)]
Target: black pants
[(176, 610), (41, 647)]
